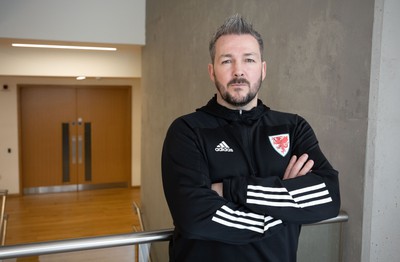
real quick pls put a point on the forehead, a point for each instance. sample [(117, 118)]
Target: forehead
[(236, 44)]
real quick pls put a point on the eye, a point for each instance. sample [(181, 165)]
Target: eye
[(250, 60), (226, 61)]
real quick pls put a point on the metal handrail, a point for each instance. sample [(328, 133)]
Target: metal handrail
[(70, 245), (341, 217)]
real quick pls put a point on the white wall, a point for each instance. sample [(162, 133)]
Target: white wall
[(119, 23), (9, 162), (98, 21), (125, 62), (381, 230)]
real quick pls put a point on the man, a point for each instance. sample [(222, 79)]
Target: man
[(239, 178)]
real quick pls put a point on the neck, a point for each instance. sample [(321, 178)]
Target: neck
[(246, 107)]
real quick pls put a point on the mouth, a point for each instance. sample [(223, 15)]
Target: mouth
[(237, 82)]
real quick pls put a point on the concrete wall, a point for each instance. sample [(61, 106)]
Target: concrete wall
[(381, 232), (318, 55)]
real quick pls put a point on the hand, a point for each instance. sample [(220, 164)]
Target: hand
[(218, 187), (298, 167)]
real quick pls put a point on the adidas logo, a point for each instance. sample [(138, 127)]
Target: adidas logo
[(223, 147)]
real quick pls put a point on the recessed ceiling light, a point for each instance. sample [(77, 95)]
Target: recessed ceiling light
[(96, 48)]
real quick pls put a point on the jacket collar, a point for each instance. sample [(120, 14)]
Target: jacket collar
[(218, 110)]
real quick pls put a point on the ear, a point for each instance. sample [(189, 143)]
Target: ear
[(211, 72), (264, 70)]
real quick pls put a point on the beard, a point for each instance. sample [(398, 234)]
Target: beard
[(238, 101)]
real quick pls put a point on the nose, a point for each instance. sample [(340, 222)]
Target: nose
[(238, 70), (238, 75)]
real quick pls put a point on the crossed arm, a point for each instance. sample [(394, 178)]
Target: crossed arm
[(296, 167)]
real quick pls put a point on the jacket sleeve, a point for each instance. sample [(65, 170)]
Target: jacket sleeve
[(197, 211), (305, 199)]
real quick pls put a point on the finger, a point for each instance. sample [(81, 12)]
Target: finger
[(306, 168), (298, 166), (289, 167)]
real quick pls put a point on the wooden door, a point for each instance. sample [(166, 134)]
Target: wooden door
[(74, 138), (43, 110), (105, 113)]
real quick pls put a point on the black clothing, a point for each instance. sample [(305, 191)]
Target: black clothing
[(260, 215)]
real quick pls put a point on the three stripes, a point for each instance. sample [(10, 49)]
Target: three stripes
[(273, 197)]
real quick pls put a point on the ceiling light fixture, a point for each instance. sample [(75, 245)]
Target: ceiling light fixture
[(66, 47)]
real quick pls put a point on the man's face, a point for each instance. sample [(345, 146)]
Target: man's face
[(237, 71)]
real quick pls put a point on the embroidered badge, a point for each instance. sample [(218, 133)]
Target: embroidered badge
[(280, 143)]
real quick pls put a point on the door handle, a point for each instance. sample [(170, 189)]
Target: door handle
[(65, 152), (80, 149), (73, 149)]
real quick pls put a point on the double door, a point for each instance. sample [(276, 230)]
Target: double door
[(75, 138)]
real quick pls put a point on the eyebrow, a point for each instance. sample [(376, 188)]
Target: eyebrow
[(225, 55), (245, 55), (251, 54)]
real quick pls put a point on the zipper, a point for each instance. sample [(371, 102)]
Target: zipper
[(246, 143), (247, 140)]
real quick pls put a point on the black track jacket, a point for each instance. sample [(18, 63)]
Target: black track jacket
[(260, 215)]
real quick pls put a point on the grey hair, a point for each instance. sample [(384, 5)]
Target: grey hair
[(235, 25)]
